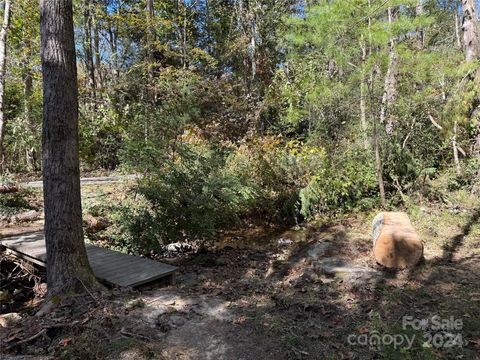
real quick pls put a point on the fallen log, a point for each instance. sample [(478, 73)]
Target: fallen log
[(27, 216), (8, 188), (396, 244), (94, 225)]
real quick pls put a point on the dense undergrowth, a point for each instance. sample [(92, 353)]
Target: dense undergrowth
[(194, 197), (279, 123)]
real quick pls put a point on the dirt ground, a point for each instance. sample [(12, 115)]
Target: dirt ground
[(313, 292)]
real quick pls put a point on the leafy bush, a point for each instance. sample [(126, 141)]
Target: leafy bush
[(189, 199), (340, 185), (278, 169), (13, 203), (467, 177), (100, 137)]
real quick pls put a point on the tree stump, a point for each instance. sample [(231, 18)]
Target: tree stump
[(396, 244)]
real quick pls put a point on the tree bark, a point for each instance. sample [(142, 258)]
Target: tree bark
[(376, 144), (379, 166), (88, 48), (420, 33), (184, 36), (363, 96), (96, 46), (390, 85), (150, 40), (68, 268), (472, 53), (457, 26), (469, 28), (3, 62), (113, 41), (150, 37), (27, 92)]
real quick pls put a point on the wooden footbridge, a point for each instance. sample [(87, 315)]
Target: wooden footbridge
[(108, 266)]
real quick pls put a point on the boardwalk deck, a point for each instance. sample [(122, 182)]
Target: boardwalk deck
[(110, 266)]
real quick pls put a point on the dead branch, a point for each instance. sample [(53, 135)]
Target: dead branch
[(31, 338), (437, 125)]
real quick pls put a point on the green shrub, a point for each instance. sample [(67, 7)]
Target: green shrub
[(188, 199), (101, 135), (467, 177), (340, 185), (13, 203), (279, 170)]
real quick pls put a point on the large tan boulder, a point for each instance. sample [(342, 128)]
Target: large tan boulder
[(396, 244)]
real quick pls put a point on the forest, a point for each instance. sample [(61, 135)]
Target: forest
[(230, 138)]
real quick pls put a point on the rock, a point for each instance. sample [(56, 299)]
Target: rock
[(8, 320), (31, 215), (396, 244)]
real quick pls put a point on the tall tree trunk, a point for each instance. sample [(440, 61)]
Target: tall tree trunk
[(29, 123), (376, 143), (390, 84), (88, 48), (457, 25), (469, 28), (472, 53), (208, 28), (363, 96), (420, 33), (68, 268), (150, 37), (379, 165), (113, 41), (151, 61), (3, 62), (96, 45), (241, 19), (184, 35)]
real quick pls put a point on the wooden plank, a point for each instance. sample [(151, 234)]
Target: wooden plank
[(26, 257), (108, 265), (30, 245)]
